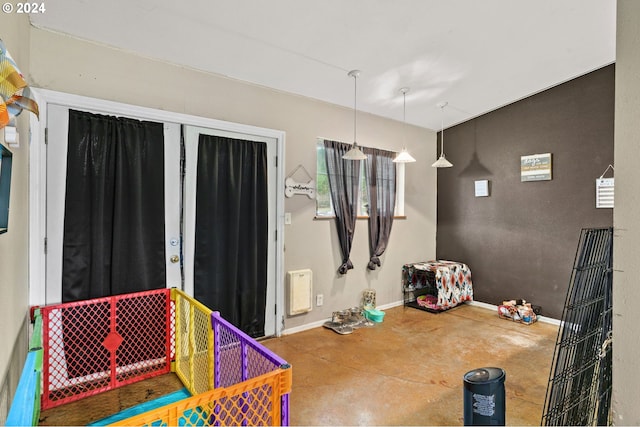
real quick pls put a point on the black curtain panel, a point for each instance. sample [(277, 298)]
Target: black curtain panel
[(114, 207), (113, 241), (230, 264), (381, 181), (344, 177)]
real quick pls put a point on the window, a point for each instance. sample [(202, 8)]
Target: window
[(324, 207), (323, 197)]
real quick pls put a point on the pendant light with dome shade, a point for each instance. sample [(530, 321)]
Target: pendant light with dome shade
[(442, 161), (404, 156), (355, 153)]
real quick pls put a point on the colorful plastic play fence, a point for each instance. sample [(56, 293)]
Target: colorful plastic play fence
[(92, 346), (26, 402)]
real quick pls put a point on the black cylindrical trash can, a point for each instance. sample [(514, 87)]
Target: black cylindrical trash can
[(484, 397)]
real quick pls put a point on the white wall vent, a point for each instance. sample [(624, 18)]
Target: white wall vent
[(300, 291)]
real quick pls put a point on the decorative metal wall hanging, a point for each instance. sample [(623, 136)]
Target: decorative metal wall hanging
[(292, 187)]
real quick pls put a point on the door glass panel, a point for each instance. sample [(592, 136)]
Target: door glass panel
[(232, 286), (100, 259)]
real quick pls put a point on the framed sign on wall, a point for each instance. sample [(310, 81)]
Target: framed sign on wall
[(604, 193), (535, 167)]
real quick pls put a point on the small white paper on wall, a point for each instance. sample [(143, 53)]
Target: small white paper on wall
[(482, 188), (604, 193)]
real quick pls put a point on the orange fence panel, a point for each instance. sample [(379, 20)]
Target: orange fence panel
[(253, 402)]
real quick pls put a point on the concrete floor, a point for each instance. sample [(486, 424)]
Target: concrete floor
[(409, 369)]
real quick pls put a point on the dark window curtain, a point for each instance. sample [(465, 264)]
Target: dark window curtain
[(114, 207), (344, 176), (113, 240), (232, 222), (381, 180)]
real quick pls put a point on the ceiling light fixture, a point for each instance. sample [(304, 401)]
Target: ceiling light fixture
[(442, 161), (404, 156), (355, 153)]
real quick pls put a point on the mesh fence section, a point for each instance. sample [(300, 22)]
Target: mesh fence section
[(254, 402), (182, 353), (75, 362), (237, 356), (194, 343), (142, 322), (258, 363), (228, 358), (95, 345), (172, 330)]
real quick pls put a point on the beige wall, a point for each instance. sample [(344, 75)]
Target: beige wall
[(14, 31), (626, 219), (70, 65)]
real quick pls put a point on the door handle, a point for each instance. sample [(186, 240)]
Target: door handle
[(174, 258)]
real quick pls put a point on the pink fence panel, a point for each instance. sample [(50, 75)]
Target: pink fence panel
[(96, 345)]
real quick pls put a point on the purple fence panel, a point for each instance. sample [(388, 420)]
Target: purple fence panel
[(284, 413), (238, 357)]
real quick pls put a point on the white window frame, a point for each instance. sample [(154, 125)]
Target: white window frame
[(362, 208)]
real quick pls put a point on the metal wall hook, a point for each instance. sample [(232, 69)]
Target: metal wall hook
[(607, 169), (297, 169)]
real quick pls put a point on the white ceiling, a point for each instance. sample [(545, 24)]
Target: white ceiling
[(477, 55)]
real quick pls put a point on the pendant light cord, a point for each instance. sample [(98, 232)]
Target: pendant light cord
[(404, 106), (404, 116), (442, 130), (442, 162), (355, 99)]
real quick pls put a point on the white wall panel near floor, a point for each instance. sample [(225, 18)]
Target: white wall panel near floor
[(300, 291)]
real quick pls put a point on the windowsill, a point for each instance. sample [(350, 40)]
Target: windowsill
[(359, 217)]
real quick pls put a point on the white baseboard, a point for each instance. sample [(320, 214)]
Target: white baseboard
[(494, 308), (483, 305), (319, 323), (304, 327), (390, 305), (480, 304)]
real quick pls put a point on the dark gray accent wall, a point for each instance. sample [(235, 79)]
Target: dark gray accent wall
[(520, 242)]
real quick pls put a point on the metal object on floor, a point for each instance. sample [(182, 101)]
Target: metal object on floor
[(484, 399), (338, 328), (579, 389), (344, 322)]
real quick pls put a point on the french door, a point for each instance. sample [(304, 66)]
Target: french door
[(193, 140), (56, 160), (180, 196)]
